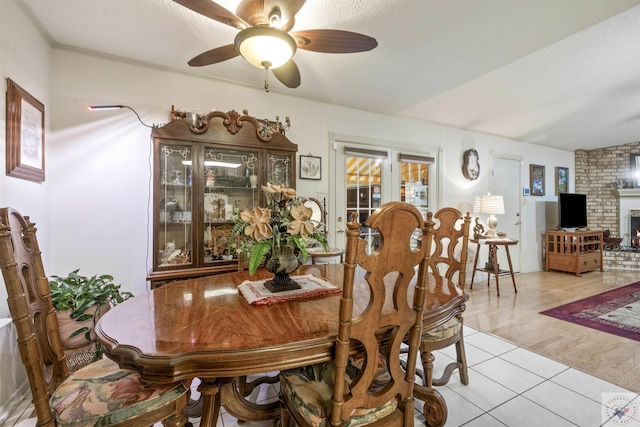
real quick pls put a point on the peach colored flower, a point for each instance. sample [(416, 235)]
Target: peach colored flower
[(301, 223), (268, 189), (258, 220)]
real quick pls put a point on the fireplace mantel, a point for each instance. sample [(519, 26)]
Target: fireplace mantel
[(628, 209), (627, 192)]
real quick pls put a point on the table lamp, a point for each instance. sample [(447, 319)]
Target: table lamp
[(492, 206)]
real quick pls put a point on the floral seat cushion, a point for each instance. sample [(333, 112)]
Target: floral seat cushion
[(310, 390), (102, 394), (446, 330)]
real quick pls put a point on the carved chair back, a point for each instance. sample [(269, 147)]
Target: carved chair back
[(448, 260), (391, 316), (32, 311)]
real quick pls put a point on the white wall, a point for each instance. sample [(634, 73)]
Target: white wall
[(25, 59)]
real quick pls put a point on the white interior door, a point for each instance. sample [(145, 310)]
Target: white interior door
[(505, 181)]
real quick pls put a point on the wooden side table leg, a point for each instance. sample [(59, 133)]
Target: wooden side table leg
[(513, 279), (496, 267), (475, 265)]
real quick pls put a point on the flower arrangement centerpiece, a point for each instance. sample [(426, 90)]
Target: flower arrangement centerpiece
[(279, 233)]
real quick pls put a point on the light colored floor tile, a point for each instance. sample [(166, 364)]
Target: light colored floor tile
[(521, 412), (482, 391), (567, 403), (484, 420), (533, 362), (468, 330), (475, 354), (490, 344), (585, 384), (509, 375)]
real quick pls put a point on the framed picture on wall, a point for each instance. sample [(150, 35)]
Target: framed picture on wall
[(635, 170), (536, 178), (562, 180), (310, 167), (25, 134)]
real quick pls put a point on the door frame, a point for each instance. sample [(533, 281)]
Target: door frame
[(493, 154), (391, 182)]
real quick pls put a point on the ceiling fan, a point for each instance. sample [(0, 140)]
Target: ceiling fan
[(264, 39)]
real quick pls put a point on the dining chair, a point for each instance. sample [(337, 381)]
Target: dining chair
[(446, 297), (365, 384), (98, 394)]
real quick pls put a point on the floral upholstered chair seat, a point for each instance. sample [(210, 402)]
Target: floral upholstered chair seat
[(448, 329), (103, 394), (310, 389)]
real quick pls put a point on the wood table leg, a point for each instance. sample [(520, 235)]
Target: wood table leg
[(475, 265), (209, 388), (233, 400), (513, 279), (496, 267)]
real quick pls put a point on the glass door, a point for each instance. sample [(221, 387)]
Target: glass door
[(174, 244), (362, 180), (230, 185), (414, 180)]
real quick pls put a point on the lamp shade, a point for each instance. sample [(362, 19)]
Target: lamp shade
[(265, 47), (489, 205)]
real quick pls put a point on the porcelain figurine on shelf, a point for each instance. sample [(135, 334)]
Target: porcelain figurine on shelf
[(211, 179)]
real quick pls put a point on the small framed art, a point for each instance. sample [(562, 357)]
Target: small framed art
[(562, 180), (310, 167), (25, 134), (536, 178)]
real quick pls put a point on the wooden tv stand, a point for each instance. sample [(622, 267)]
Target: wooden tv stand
[(574, 251)]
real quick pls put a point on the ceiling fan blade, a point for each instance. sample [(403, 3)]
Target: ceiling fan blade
[(214, 11), (258, 12), (288, 74), (214, 56), (333, 41)]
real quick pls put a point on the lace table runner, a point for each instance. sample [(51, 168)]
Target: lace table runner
[(311, 285)]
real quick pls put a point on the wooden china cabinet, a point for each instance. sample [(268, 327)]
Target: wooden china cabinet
[(205, 168)]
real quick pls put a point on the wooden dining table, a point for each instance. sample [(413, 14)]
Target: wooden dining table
[(204, 328)]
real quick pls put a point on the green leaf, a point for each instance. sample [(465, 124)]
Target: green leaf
[(258, 252), (80, 331)]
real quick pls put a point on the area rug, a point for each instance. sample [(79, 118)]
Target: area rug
[(616, 312)]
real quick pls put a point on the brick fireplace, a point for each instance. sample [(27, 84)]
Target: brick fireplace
[(629, 214), (629, 225)]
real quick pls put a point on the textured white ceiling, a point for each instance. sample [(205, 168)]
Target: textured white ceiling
[(563, 73)]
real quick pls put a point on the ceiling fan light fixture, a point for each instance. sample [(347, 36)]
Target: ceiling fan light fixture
[(265, 47)]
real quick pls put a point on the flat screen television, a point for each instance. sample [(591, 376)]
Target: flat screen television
[(572, 210)]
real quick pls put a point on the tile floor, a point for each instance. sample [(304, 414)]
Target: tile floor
[(509, 386)]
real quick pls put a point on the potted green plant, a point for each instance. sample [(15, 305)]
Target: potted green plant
[(79, 302)]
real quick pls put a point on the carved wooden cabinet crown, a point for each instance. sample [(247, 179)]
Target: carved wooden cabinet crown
[(205, 167)]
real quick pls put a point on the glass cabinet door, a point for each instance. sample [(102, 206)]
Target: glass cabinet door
[(230, 186), (280, 169), (175, 244)]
